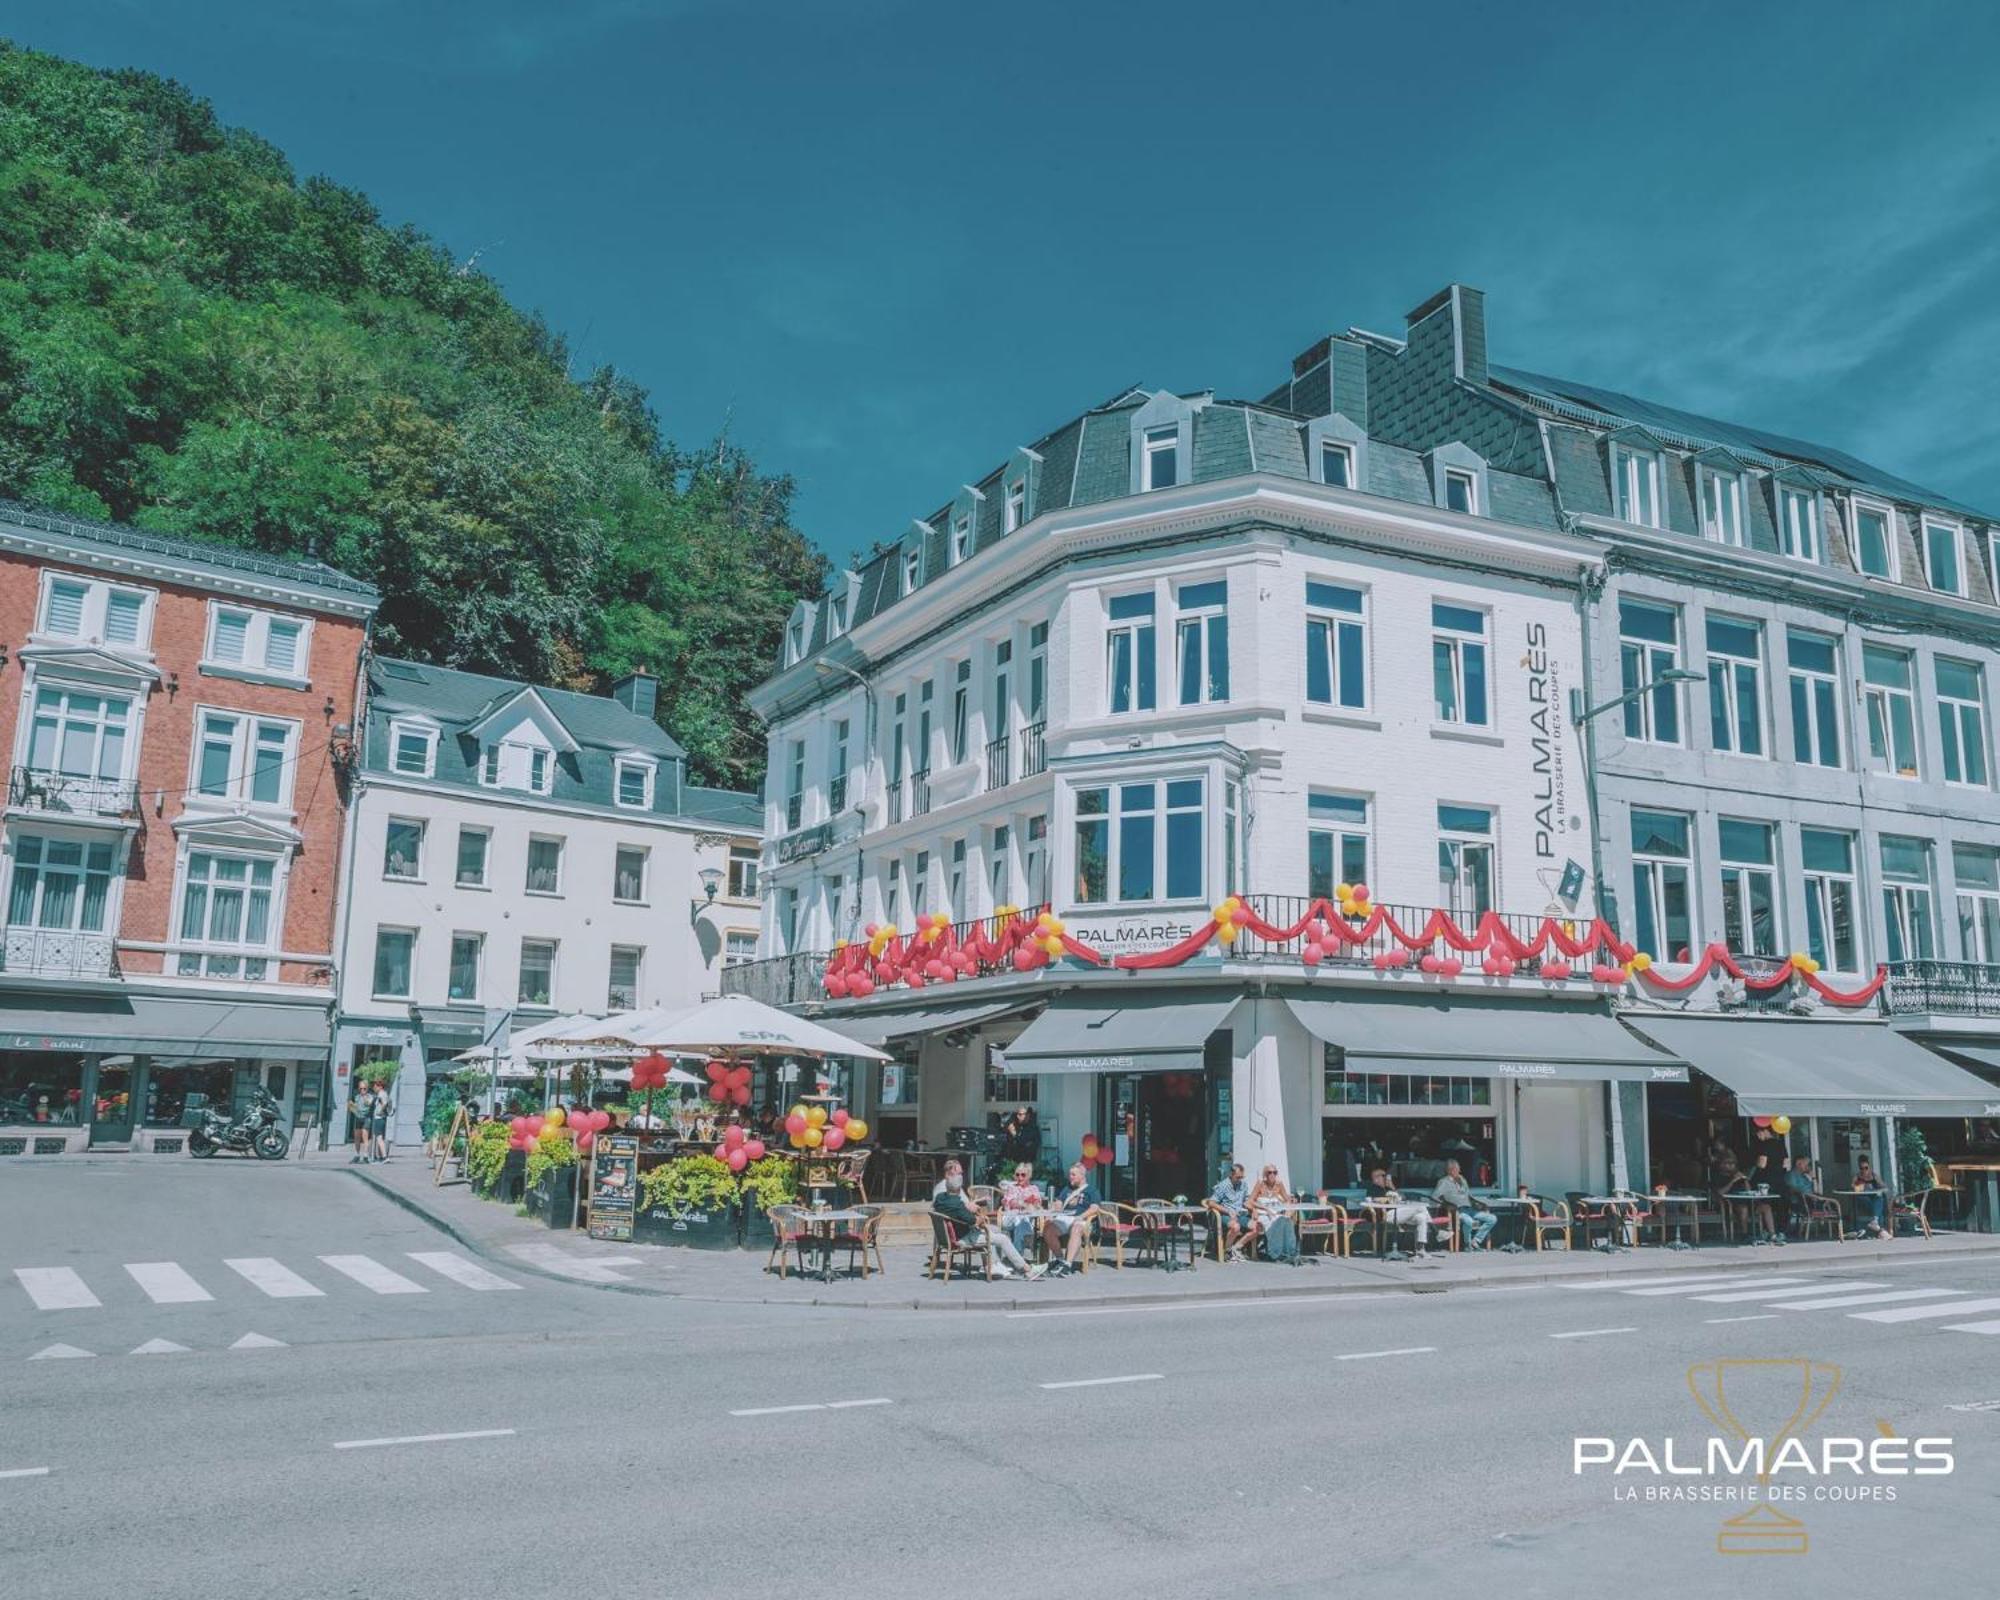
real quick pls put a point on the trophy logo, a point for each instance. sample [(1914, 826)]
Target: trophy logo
[(1782, 1398)]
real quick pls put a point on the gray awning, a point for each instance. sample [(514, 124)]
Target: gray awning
[(878, 1030), (1164, 1033), (1516, 1040), (1982, 1059), (167, 1025), (1823, 1069)]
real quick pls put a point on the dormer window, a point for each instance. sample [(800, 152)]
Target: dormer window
[(1721, 506), (510, 765), (1336, 465), (84, 608), (836, 616), (1874, 551), (1159, 466), (1942, 564), (1635, 482), (795, 641), (1461, 491), (1798, 523), (913, 570), (1016, 504), (412, 749), (961, 538), (632, 783)]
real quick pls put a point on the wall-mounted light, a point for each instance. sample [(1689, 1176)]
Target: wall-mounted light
[(327, 709), (173, 684), (711, 881)]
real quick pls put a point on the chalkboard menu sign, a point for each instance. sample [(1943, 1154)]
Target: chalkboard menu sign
[(614, 1185)]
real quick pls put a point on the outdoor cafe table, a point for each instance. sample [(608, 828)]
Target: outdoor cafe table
[(1628, 1206), (1169, 1239), (1851, 1199), (821, 1226), (1665, 1205), (1298, 1210), (1748, 1198)]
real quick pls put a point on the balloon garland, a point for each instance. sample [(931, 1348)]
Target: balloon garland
[(936, 952)]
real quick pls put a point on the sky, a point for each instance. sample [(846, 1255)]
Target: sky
[(880, 244)]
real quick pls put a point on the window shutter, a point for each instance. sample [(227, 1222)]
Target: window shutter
[(232, 633), (122, 610), (281, 647), (65, 609)]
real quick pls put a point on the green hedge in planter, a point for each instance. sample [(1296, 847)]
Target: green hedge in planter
[(552, 1150), (485, 1155), (689, 1184)]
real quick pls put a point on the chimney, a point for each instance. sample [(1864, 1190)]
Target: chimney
[(1456, 315), (639, 693)]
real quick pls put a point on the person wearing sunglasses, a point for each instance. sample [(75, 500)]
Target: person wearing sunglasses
[(1020, 1197), (1267, 1206), (1068, 1231), (1231, 1198)]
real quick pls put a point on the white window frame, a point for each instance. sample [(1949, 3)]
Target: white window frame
[(1035, 860), (961, 538), (638, 954), (1734, 667), (1462, 477), (1796, 541), (1812, 680), (1978, 909), (257, 642), (417, 863), (742, 885), (1141, 634), (243, 744), (1330, 619), (645, 854), (126, 723), (960, 738), (554, 947), (1038, 672), (1457, 645), (912, 570), (648, 771), (999, 865), (1955, 532), (40, 842), (1891, 556), (528, 865), (1738, 876), (1015, 503), (1456, 846), (1962, 726), (401, 728), (1161, 811), (1909, 906), (485, 878), (211, 958), (733, 953), (409, 990), (1329, 448), (478, 941), (1878, 707), (1154, 444), (1820, 886), (1635, 485), (493, 765), (1194, 627), (1340, 832), (1650, 871), (95, 610), (1722, 518), (1641, 718)]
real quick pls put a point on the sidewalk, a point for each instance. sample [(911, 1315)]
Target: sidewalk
[(521, 1244)]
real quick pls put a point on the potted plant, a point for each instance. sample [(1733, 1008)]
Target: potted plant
[(764, 1184), (488, 1160), (690, 1200), (551, 1178)]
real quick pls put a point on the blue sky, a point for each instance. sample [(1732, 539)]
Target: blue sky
[(884, 243)]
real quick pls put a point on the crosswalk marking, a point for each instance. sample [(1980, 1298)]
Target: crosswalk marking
[(1771, 1296), (1972, 1327), (161, 1347), (1741, 1283), (167, 1283), (1915, 1313), (272, 1276), (257, 1341), (55, 1288), (468, 1274), (61, 1352), (371, 1274), (1837, 1301), (1674, 1279), (589, 1269)]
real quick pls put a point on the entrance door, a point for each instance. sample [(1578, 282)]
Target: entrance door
[(1562, 1137), (111, 1107), (1173, 1135)]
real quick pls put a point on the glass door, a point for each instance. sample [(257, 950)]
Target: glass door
[(111, 1107)]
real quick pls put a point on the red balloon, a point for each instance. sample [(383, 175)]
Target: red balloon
[(737, 1160), (754, 1149), (718, 1092), (833, 1139), (517, 1126), (839, 1117), (1024, 959), (732, 1136), (599, 1121), (715, 1069), (535, 1126), (836, 986), (796, 1122), (1104, 1155), (862, 987), (585, 1139), (740, 1094)]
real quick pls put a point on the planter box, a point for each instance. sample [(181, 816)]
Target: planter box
[(554, 1198), (711, 1230), (513, 1178), (757, 1232)]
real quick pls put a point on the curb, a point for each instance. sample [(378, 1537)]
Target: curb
[(1308, 1290)]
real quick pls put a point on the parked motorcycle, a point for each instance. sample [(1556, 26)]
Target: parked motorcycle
[(257, 1129)]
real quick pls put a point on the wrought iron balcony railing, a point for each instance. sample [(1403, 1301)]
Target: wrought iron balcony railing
[(997, 764), (57, 953), (920, 791), (70, 795), (1942, 988), (1034, 750)]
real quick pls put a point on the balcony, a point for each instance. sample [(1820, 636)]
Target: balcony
[(920, 791), (795, 810), (998, 766), (836, 796), (67, 795), (57, 953), (779, 981), (1034, 750), (1942, 989)]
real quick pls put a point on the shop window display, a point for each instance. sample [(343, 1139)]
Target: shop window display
[(38, 1086)]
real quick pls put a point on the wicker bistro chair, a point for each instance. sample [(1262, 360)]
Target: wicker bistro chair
[(1820, 1211), (1122, 1228), (1911, 1208), (788, 1238), (1591, 1221), (1548, 1217), (1321, 1232), (854, 1172), (947, 1251), (860, 1239)]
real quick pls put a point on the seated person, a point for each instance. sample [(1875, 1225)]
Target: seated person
[(1801, 1189), (1396, 1212), (979, 1227), (1757, 1212), (1267, 1206), (1474, 1220), (1873, 1202), (952, 1169), (1232, 1199), (1017, 1198), (1068, 1231)]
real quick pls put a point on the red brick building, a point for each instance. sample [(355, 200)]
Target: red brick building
[(175, 716)]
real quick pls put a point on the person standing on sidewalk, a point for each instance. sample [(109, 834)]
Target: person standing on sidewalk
[(378, 1121), (360, 1120)]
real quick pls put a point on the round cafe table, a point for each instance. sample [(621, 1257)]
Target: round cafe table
[(822, 1225)]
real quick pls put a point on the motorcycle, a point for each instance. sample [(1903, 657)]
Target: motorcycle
[(256, 1129)]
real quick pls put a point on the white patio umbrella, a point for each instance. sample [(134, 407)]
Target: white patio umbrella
[(736, 1025)]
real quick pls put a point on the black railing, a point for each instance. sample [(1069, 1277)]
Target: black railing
[(1284, 911), (779, 981), (920, 791), (58, 953), (836, 796), (795, 810), (66, 794), (898, 805), (997, 765), (1034, 750), (1942, 988)]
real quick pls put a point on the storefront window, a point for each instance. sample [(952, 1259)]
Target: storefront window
[(1414, 1150), (40, 1086), (1404, 1089), (171, 1081)]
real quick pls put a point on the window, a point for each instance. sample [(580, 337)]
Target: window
[(961, 539), (743, 871), (1906, 898), (395, 950), (628, 874), (836, 616), (1975, 871), (1155, 852), (412, 748), (795, 640), (1648, 645), (257, 641), (1661, 870), (1461, 491), (1003, 666), (739, 948), (1458, 664), (244, 758), (1749, 887), (462, 978), (1874, 554), (1941, 557), (516, 764), (1891, 709), (788, 918), (1721, 505), (634, 784), (1202, 642), (1035, 862), (84, 608), (538, 973), (913, 570), (1336, 842), (1336, 645), (1160, 458), (60, 884), (954, 882), (961, 711), (622, 993), (226, 901), (1038, 672), (1232, 831), (1465, 861), (79, 735), (544, 865), (1735, 699), (1016, 504), (1129, 663), (1832, 929), (1962, 722), (999, 852), (920, 884), (1635, 482), (1336, 465), (836, 778), (1798, 523), (472, 847), (1815, 699), (403, 849), (795, 784), (892, 893), (920, 754)]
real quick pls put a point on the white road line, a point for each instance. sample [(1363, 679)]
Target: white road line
[(1833, 1300), (849, 1405), (273, 1277), (161, 1347), (1372, 1355), (1774, 1296), (257, 1341), (774, 1411), (423, 1438), (61, 1352), (1215, 1305), (1762, 1316), (167, 1283), (1591, 1333), (1957, 1308), (1741, 1283), (1972, 1327), (586, 1269), (1093, 1383), (1674, 1280), (469, 1274), (371, 1274), (56, 1288), (24, 1472)]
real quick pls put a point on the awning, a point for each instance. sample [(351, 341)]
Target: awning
[(1519, 1041), (100, 1024), (1823, 1069), (1982, 1059), (879, 1030), (1161, 1034)]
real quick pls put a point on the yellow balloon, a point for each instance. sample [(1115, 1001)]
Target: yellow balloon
[(553, 1117), (797, 1111), (796, 1140), (811, 1138), (1226, 933), (856, 1129), (1781, 1125), (1343, 891), (816, 1115)]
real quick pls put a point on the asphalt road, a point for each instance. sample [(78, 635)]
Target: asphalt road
[(487, 1431)]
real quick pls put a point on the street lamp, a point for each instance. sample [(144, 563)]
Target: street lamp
[(711, 881)]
